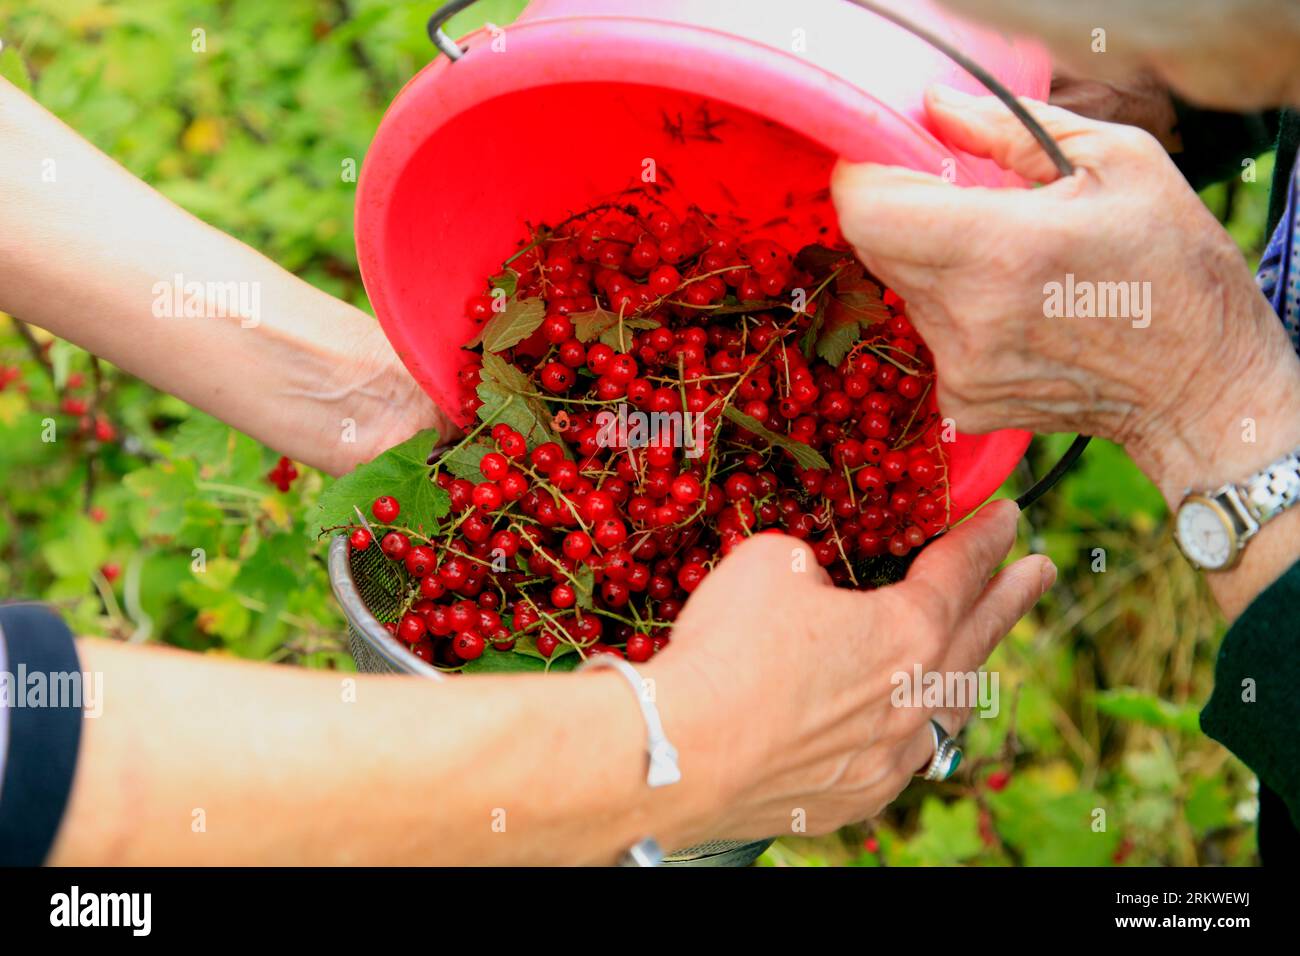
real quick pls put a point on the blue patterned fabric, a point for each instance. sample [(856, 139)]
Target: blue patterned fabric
[(1279, 270)]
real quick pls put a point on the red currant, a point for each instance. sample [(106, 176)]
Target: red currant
[(385, 509)]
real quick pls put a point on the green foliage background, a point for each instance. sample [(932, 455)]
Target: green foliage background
[(1100, 685)]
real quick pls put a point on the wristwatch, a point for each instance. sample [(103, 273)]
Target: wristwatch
[(1213, 527)]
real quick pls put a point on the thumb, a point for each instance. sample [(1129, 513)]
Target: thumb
[(907, 217), (984, 127), (951, 573)]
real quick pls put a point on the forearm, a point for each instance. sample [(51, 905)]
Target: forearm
[(283, 766), (92, 254), (1252, 420)]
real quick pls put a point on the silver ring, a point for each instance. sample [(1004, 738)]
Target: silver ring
[(947, 755)]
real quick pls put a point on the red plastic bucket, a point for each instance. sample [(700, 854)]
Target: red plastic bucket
[(738, 105)]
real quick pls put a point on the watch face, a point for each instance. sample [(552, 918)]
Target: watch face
[(1205, 533)]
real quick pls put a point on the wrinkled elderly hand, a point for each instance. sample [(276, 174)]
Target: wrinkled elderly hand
[(794, 678), (988, 273)]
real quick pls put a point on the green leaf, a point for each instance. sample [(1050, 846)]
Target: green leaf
[(820, 261), (529, 418), (735, 307), (585, 581), (808, 344), (463, 460), (838, 338), (503, 662), (1128, 703), (203, 525), (507, 282), (861, 295), (523, 659), (521, 318), (805, 456), (1053, 828), (160, 496), (402, 472), (220, 451), (603, 324), (1208, 805), (526, 644), (948, 833), (211, 593), (202, 439), (588, 325), (61, 354), (498, 371), (505, 374), (78, 552), (270, 573), (622, 340), (13, 69)]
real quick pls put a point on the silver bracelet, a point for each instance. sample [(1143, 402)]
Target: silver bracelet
[(663, 769)]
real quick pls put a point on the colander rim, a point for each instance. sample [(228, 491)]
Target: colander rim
[(366, 625)]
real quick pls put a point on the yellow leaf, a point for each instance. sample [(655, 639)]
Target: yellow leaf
[(1059, 777), (277, 511), (204, 136), (12, 405)]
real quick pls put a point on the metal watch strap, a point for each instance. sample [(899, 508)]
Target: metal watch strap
[(1271, 491)]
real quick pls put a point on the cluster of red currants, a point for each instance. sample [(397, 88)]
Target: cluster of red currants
[(588, 542), (99, 426), (283, 474)]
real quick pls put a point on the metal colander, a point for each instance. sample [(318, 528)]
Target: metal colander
[(371, 589)]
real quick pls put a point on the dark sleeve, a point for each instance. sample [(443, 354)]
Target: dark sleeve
[(1214, 144), (1255, 710), (41, 694)]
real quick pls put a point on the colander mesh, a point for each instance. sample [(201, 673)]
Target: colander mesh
[(381, 583)]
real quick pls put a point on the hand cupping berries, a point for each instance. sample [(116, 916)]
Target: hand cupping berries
[(649, 391)]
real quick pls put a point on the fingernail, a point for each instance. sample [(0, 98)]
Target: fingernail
[(1009, 506), (1049, 573), (948, 95)]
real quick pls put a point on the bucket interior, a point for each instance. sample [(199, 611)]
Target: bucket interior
[(468, 194)]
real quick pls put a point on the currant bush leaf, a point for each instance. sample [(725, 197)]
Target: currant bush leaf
[(402, 472), (861, 296), (805, 456), (13, 69), (819, 261), (514, 662), (837, 339), (160, 495), (565, 657), (463, 460), (507, 282), (507, 375), (585, 586), (526, 416), (535, 415), (603, 324), (621, 339), (521, 318)]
